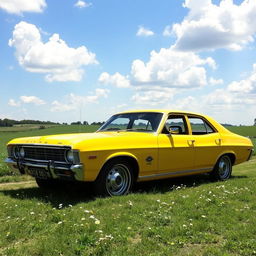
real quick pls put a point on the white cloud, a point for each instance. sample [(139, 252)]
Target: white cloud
[(153, 97), (166, 68), (223, 105), (13, 103), (142, 31), (247, 85), (32, 99), (172, 69), (54, 58), (75, 102), (117, 80), (82, 4), (167, 31), (213, 81), (26, 100), (189, 103), (20, 6), (209, 26)]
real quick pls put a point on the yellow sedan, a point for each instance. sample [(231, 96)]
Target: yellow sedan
[(130, 147)]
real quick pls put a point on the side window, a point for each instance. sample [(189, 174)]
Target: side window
[(200, 126), (176, 125), (142, 124), (120, 123)]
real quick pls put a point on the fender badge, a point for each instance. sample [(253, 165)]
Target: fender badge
[(149, 159)]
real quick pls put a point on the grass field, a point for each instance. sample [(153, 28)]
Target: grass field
[(186, 216), (189, 216), (24, 127)]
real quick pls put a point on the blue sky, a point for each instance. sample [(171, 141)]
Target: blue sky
[(86, 60)]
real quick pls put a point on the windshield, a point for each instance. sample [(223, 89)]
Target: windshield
[(143, 121)]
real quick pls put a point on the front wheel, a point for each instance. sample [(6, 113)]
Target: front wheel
[(115, 179), (223, 168)]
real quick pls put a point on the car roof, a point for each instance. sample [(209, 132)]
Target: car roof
[(218, 126), (166, 111)]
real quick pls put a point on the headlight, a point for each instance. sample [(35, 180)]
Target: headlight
[(70, 156), (15, 151), (18, 152), (22, 152)]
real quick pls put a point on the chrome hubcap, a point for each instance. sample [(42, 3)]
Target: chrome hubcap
[(118, 180), (224, 167)]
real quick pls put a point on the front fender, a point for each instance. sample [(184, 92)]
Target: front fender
[(94, 165), (120, 154)]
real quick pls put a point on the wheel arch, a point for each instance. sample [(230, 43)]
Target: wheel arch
[(124, 156), (230, 154)]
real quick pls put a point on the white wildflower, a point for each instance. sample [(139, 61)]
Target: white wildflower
[(97, 222)]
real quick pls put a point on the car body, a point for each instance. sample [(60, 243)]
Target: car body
[(132, 146)]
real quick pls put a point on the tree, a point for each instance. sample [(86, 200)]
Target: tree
[(76, 123)]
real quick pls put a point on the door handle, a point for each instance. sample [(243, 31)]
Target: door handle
[(218, 141), (191, 142)]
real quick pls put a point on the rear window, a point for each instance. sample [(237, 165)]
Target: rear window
[(199, 126)]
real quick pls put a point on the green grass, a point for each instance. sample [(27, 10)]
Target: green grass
[(189, 216), (249, 131), (243, 130), (24, 127)]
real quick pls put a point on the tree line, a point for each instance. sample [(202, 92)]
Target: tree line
[(10, 122), (86, 123)]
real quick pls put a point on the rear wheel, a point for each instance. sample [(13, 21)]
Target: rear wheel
[(115, 179), (223, 168)]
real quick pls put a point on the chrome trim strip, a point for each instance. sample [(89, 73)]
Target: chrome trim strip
[(42, 165), (175, 173), (10, 161), (43, 161), (39, 145)]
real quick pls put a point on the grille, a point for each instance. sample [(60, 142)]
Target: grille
[(45, 153)]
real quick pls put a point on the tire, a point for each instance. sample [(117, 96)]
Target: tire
[(115, 179), (48, 183), (222, 169)]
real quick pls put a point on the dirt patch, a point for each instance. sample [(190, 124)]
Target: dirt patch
[(17, 183)]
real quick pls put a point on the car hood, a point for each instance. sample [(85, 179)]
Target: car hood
[(80, 140)]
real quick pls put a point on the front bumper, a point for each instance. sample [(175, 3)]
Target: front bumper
[(47, 169)]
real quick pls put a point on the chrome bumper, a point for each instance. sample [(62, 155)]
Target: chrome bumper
[(54, 170), (250, 155)]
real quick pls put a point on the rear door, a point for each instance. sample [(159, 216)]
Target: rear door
[(207, 142)]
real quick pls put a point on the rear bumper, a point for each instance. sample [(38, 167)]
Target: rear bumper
[(250, 155), (50, 168)]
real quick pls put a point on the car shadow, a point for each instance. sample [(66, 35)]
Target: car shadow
[(67, 195), (74, 193), (166, 185)]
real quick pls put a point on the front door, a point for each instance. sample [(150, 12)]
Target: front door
[(176, 147)]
